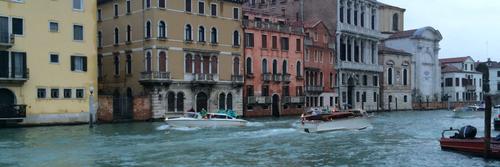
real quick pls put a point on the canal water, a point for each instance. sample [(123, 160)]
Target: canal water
[(395, 139)]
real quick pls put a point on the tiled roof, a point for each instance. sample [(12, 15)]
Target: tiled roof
[(310, 23), (387, 50), (449, 68), (454, 60)]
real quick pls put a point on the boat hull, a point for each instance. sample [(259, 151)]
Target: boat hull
[(205, 123), (356, 123), (470, 146)]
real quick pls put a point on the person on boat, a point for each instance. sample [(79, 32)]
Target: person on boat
[(191, 110)]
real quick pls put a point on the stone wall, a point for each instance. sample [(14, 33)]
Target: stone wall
[(439, 105), (105, 109), (142, 108)]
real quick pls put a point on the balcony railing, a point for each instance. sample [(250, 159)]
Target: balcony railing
[(268, 26), (314, 88), (155, 77), (6, 40), (16, 78), (359, 66), (286, 77), (266, 77), (277, 77), (237, 78), (344, 27), (204, 77), (12, 112), (259, 100), (470, 87), (294, 99)]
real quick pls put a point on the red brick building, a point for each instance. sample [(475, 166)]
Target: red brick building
[(319, 61), (274, 82)]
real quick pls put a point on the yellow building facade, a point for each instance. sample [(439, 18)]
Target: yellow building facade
[(48, 56), (183, 54)]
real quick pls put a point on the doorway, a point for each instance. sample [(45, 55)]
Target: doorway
[(201, 102), (276, 106), (7, 98), (350, 93)]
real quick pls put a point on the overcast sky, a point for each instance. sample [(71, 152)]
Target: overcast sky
[(469, 27)]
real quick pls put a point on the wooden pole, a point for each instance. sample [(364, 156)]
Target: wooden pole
[(487, 126)]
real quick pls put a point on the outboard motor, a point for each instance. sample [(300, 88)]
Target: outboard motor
[(467, 132)]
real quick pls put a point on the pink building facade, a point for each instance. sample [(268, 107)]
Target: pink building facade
[(274, 76)]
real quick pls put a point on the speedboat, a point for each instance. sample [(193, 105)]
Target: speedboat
[(314, 122), (465, 141), (193, 119)]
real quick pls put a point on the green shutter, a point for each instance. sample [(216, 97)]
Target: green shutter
[(84, 63)]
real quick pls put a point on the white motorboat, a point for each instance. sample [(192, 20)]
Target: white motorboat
[(324, 122), (192, 119)]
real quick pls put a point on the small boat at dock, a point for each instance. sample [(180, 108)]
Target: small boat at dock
[(463, 143), (314, 121), (193, 119)]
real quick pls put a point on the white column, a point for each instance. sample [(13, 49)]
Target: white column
[(352, 49)]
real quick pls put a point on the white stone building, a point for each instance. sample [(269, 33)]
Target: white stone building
[(423, 44), (461, 81)]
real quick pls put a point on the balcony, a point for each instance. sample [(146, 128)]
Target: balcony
[(286, 77), (345, 65), (204, 78), (269, 26), (259, 100), (277, 77), (155, 77), (470, 88), (237, 78), (266, 77), (14, 77), (366, 31), (314, 89), (6, 40), (13, 112), (294, 99)]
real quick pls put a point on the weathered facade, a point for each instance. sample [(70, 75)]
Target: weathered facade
[(391, 18), (396, 79), (182, 54), (319, 66), (274, 81), (461, 82), (47, 70)]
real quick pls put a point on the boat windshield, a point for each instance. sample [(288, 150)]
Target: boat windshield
[(192, 115), (220, 116)]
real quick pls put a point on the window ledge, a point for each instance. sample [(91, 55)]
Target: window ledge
[(214, 44), (188, 41), (236, 46), (128, 43), (162, 38)]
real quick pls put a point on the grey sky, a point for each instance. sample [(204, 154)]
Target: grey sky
[(469, 28)]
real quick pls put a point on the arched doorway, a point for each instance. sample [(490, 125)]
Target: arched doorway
[(350, 93), (7, 97), (201, 102), (276, 106)]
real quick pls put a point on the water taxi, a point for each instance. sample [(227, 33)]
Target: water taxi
[(314, 121), (193, 119)]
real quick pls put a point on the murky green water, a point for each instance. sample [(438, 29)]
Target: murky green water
[(396, 139)]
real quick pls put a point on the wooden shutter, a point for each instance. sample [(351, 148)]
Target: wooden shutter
[(72, 63), (84, 63)]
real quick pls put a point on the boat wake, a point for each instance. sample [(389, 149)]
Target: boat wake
[(264, 133), (168, 127), (255, 124)]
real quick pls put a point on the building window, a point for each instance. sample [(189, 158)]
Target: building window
[(180, 102), (348, 15), (67, 93), (375, 80), (355, 17), (77, 4), (222, 101), (365, 80), (77, 32), (213, 9), (249, 43), (162, 30), (78, 63), (201, 7), (148, 30), (498, 73), (99, 14), (117, 36), (129, 33), (116, 10), (128, 8), (395, 22), (374, 96), (299, 69), (229, 101), (264, 66), (236, 38), (17, 26), (188, 63), (362, 20), (341, 15), (373, 20), (201, 34), (264, 41), (117, 65), (236, 66), (162, 4), (213, 35), (405, 98), (405, 77), (448, 82), (162, 58), (99, 39), (148, 4), (129, 64), (187, 33), (53, 26), (389, 76), (41, 93), (284, 68), (457, 82), (236, 13), (54, 93), (284, 43), (248, 66), (171, 101), (54, 58), (148, 65), (80, 93), (298, 45), (187, 5), (274, 42)]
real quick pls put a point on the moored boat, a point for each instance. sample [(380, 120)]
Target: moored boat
[(193, 119), (313, 121), (469, 144)]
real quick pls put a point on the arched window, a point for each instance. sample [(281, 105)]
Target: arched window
[(275, 67), (129, 92), (187, 33), (129, 33), (229, 101), (285, 67), (249, 66), (117, 36), (180, 102), (395, 22), (213, 35), (299, 69), (162, 58), (197, 64), (236, 38), (129, 64), (148, 29), (214, 64), (171, 101), (405, 76), (236, 66), (201, 34), (99, 39), (264, 66), (162, 30), (389, 76), (117, 64), (188, 63), (148, 61), (222, 101)]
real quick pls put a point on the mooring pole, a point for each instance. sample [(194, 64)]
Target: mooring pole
[(487, 126), (91, 108)]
